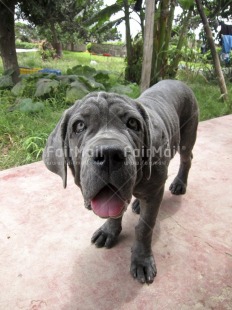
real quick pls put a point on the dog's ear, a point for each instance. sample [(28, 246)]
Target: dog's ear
[(147, 147), (56, 150)]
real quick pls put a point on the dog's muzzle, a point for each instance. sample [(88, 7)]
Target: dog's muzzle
[(108, 159), (107, 177)]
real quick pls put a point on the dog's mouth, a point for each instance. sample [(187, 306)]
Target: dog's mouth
[(108, 203)]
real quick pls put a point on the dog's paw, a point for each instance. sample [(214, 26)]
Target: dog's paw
[(178, 187), (143, 269), (105, 237), (136, 206)]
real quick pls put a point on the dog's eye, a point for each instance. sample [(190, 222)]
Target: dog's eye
[(133, 124), (79, 126)]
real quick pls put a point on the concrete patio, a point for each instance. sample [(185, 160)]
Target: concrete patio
[(48, 262)]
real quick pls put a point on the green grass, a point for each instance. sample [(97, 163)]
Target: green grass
[(70, 59), (208, 95), (23, 135)]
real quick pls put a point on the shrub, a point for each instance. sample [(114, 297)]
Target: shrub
[(26, 45), (89, 47)]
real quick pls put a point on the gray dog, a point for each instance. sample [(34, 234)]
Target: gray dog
[(117, 147)]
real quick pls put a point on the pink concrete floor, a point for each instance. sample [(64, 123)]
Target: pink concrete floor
[(48, 262)]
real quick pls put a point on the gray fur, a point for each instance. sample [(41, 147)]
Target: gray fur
[(168, 118)]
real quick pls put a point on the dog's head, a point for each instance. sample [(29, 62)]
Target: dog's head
[(104, 139)]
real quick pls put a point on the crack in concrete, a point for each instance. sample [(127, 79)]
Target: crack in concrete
[(211, 246), (178, 223), (228, 254)]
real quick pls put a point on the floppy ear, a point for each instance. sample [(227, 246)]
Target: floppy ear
[(147, 158), (56, 149)]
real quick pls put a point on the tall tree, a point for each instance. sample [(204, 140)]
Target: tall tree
[(148, 45), (51, 13), (7, 38), (128, 73), (214, 53), (215, 8), (173, 68), (162, 33), (46, 12), (104, 16)]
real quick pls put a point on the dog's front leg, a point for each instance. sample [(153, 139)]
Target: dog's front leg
[(107, 234), (142, 261)]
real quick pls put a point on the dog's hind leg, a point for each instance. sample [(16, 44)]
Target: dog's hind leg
[(188, 131)]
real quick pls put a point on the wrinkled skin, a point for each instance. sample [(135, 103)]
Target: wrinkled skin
[(114, 144)]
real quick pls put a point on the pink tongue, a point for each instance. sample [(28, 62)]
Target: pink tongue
[(107, 203)]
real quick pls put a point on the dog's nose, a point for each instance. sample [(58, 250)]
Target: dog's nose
[(106, 156)]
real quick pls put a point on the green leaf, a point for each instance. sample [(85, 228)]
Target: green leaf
[(102, 77), (91, 84), (27, 105), (76, 91), (82, 70), (66, 79), (18, 89), (109, 24), (186, 4), (6, 82), (103, 15), (45, 87), (123, 89)]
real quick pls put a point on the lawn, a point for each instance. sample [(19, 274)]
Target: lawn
[(23, 135), (71, 59)]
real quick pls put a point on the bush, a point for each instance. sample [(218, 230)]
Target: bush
[(26, 45), (133, 72), (89, 47)]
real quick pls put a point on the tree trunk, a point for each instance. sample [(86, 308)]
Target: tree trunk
[(161, 36), (142, 20), (56, 44), (217, 65), (7, 39), (72, 46), (129, 69), (169, 32), (155, 44), (148, 44), (183, 33)]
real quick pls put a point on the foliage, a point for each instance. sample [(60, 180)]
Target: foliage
[(18, 127), (95, 24), (207, 94), (34, 146), (51, 15), (6, 79), (136, 60), (48, 12), (46, 50), (89, 47), (215, 8), (79, 81), (25, 32), (45, 87), (25, 45), (6, 82), (65, 21), (27, 105)]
